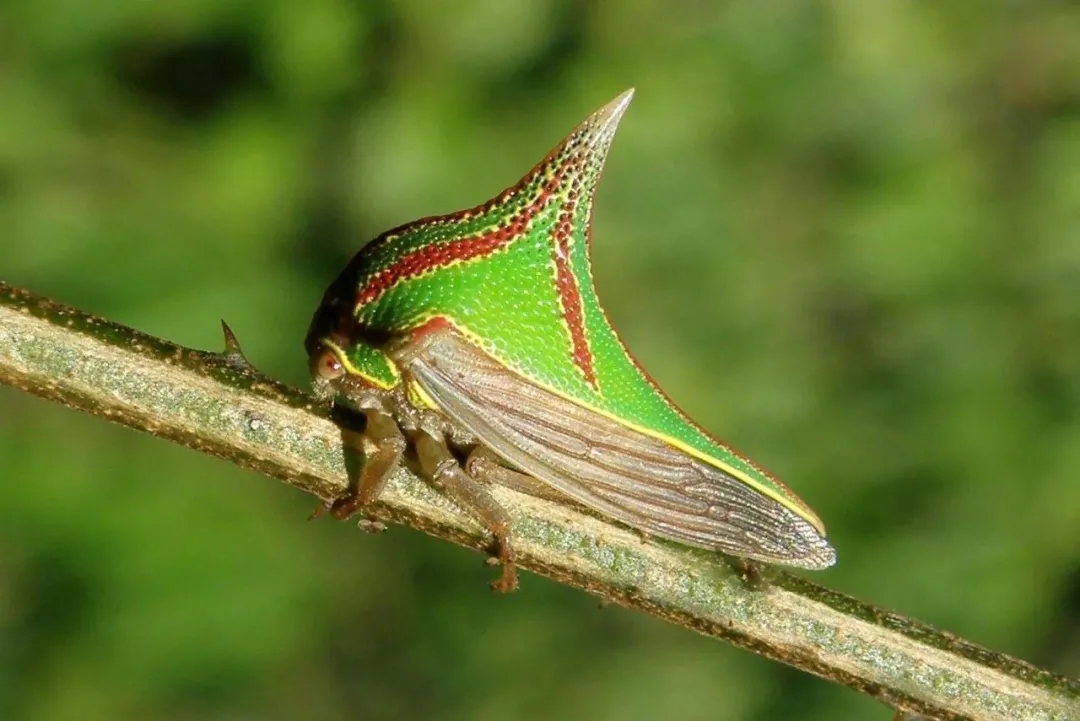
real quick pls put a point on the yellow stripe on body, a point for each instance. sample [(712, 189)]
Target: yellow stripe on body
[(343, 359)]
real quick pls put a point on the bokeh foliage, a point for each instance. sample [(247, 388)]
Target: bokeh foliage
[(845, 235)]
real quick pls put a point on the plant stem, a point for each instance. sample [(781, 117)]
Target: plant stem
[(215, 403)]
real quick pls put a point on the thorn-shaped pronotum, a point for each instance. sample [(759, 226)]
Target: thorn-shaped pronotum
[(481, 332)]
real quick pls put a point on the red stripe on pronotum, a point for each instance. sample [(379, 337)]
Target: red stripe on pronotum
[(438, 255), (431, 257), (570, 295)]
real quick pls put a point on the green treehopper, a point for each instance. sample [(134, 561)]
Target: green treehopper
[(478, 337)]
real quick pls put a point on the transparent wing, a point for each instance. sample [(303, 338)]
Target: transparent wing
[(626, 475)]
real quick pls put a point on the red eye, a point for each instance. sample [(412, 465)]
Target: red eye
[(328, 366)]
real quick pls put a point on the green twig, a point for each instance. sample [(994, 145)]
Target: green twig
[(214, 403)]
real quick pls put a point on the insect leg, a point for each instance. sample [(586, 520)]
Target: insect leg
[(383, 431), (486, 467), (446, 474)]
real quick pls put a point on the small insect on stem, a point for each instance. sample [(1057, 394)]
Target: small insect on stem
[(479, 335)]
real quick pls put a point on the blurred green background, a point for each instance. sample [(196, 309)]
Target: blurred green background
[(844, 235)]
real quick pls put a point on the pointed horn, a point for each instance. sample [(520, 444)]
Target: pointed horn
[(596, 132), (600, 127)]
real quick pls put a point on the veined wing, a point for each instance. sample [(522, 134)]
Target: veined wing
[(631, 477)]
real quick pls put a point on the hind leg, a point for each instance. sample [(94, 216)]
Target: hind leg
[(486, 467), (446, 474)]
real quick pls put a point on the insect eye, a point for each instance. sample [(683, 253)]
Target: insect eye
[(328, 366)]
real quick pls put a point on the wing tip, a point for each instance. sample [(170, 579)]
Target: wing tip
[(813, 551), (818, 559)]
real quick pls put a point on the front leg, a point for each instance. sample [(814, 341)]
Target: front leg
[(383, 431), (446, 474)]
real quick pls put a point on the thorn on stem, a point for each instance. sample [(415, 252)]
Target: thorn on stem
[(233, 353)]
